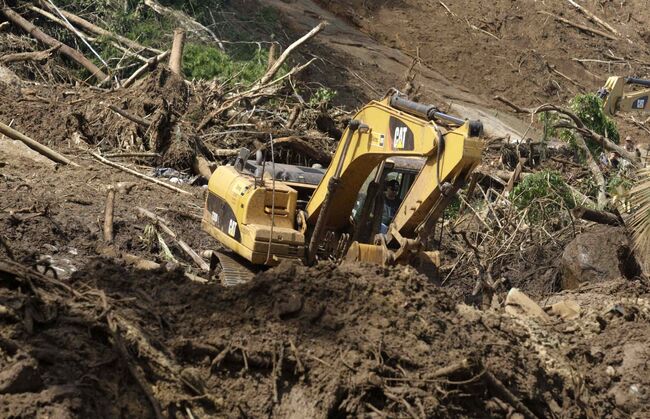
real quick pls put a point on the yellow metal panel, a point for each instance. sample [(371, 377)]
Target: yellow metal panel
[(366, 151), (461, 155)]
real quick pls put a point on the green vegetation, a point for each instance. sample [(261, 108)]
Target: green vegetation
[(244, 60), (321, 97), (543, 194), (589, 108), (453, 209), (205, 62), (618, 180)]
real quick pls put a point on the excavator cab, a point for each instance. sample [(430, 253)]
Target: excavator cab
[(369, 215)]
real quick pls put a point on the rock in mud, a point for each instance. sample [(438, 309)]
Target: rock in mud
[(21, 377), (519, 304), (565, 309), (289, 305), (598, 255)]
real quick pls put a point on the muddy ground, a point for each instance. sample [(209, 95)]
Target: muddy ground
[(297, 342), (97, 336)]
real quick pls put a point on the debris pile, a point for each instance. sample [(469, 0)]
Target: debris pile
[(540, 307), (335, 340)]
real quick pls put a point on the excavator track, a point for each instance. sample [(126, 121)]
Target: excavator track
[(232, 271)]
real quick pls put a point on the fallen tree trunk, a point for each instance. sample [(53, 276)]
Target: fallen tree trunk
[(137, 174), (201, 167), (601, 217), (84, 37), (302, 146), (75, 55), (35, 145), (186, 248)]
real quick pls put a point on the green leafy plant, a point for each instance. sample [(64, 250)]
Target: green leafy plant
[(589, 108), (543, 194), (617, 181), (322, 96)]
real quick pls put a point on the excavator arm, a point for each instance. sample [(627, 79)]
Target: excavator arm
[(615, 98), (395, 127)]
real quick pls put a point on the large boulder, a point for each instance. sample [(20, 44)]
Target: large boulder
[(600, 254)]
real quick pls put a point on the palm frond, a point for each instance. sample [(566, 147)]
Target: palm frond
[(640, 220)]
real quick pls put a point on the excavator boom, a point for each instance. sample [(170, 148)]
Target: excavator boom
[(615, 98)]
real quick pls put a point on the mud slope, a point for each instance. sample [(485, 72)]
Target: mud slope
[(476, 49), (353, 58), (512, 48)]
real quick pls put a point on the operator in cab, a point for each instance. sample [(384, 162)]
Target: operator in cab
[(392, 202)]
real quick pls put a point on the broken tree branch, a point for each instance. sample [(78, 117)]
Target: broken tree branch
[(103, 32), (503, 393), (38, 56), (108, 215), (283, 57), (186, 248), (124, 155), (140, 121), (135, 371), (255, 92), (121, 187), (148, 66), (137, 174), (607, 144), (579, 126), (35, 145), (579, 26), (186, 22), (75, 55), (594, 18), (593, 167)]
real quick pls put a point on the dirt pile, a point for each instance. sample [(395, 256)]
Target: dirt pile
[(308, 342)]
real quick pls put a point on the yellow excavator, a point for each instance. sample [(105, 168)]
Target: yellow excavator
[(266, 216), (615, 98)]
